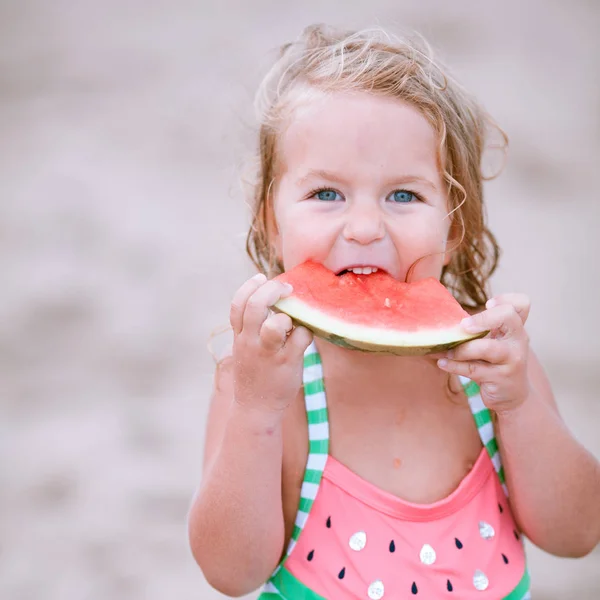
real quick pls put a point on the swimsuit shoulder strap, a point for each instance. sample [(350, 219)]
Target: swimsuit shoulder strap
[(485, 426), (318, 438)]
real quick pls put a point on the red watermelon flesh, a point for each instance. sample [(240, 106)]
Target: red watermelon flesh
[(374, 312)]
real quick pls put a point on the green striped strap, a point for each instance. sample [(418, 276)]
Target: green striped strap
[(318, 438), (485, 427)]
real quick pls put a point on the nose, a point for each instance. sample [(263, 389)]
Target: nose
[(364, 225)]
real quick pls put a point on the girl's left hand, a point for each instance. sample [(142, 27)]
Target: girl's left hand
[(498, 362)]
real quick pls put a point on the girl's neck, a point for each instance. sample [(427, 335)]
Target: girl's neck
[(362, 371)]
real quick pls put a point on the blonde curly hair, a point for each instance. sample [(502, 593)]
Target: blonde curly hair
[(323, 59)]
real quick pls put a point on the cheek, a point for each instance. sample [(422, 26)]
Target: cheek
[(423, 245), (423, 235), (303, 238)]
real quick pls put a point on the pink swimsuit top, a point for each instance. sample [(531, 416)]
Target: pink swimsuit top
[(352, 540)]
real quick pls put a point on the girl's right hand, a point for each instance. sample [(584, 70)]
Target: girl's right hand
[(268, 351)]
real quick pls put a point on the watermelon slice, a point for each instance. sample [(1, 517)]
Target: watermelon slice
[(374, 313)]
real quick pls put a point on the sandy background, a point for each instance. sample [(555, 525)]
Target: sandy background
[(122, 125)]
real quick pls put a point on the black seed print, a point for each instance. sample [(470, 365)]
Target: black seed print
[(414, 589), (500, 507), (392, 546), (505, 559), (342, 573), (458, 543), (449, 585), (328, 522), (311, 555), (516, 534)]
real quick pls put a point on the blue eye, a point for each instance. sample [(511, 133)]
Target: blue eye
[(403, 196), (327, 195)]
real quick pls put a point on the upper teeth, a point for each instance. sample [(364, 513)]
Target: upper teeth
[(363, 270)]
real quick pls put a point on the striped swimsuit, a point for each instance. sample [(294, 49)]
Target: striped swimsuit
[(352, 540)]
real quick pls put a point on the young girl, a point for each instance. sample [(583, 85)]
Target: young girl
[(332, 473)]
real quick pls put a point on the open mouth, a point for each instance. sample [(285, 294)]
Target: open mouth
[(361, 270)]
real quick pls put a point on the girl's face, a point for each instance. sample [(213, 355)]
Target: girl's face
[(359, 186)]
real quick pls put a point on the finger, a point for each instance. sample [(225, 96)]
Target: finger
[(299, 340), (478, 371), (274, 331), (257, 306), (503, 321), (520, 302), (486, 349), (238, 303)]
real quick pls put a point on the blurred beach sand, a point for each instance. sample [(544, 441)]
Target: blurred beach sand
[(123, 127)]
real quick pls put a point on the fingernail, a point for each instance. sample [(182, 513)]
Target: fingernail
[(288, 287), (490, 303), (442, 362), (450, 354), (259, 276)]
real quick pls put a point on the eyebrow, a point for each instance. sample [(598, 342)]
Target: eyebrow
[(320, 174), (329, 176)]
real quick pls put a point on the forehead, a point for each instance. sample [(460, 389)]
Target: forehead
[(363, 132)]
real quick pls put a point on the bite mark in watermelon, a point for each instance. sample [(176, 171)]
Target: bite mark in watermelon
[(374, 313)]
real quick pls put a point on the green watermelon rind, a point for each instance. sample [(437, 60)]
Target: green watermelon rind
[(373, 339)]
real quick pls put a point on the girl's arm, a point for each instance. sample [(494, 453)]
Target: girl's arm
[(553, 481), (236, 527), (236, 523)]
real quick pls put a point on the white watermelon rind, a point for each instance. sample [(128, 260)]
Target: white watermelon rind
[(373, 339)]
